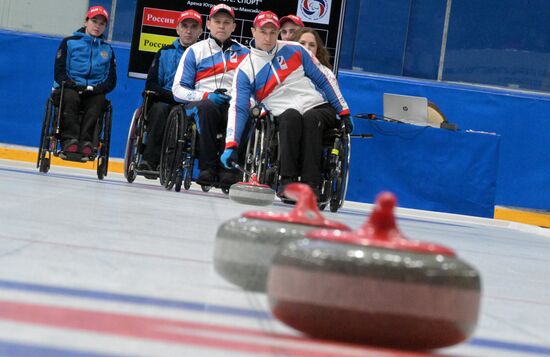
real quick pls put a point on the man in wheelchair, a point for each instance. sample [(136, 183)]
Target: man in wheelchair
[(84, 73), (287, 80), (203, 82), (159, 81)]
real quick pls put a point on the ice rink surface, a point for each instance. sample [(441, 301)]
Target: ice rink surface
[(108, 268)]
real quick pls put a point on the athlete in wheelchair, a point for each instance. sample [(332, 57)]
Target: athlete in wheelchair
[(146, 132), (304, 102), (203, 84), (77, 122)]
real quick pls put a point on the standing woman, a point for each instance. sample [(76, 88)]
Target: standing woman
[(85, 64)]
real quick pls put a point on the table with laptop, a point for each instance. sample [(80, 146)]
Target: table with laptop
[(427, 167)]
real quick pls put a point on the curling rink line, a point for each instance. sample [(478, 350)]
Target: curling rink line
[(76, 255), (28, 154)]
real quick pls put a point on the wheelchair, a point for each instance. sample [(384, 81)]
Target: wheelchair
[(263, 159), (137, 141), (50, 139), (180, 149)]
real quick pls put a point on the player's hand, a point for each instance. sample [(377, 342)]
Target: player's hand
[(348, 123), (219, 98), (228, 157)]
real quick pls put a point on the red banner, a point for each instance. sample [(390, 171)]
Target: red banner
[(160, 18)]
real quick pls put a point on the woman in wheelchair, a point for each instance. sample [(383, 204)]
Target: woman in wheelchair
[(84, 73), (286, 79)]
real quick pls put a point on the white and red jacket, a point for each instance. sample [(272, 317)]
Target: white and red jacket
[(205, 67), (288, 77)]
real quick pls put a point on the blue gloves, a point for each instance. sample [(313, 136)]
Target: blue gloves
[(229, 156), (348, 123), (219, 98)]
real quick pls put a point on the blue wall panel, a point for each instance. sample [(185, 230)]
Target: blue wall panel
[(26, 74), (381, 36), (522, 120)]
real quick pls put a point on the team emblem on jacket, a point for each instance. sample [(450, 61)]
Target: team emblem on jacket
[(104, 54), (233, 58), (282, 62)]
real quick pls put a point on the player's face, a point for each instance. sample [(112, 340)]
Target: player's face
[(95, 26), (265, 37), (288, 29), (221, 26), (308, 40), (189, 31)]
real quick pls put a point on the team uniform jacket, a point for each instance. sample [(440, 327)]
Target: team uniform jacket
[(205, 67), (163, 69), (288, 77), (86, 60)]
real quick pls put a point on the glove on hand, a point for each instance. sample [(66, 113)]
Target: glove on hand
[(219, 98), (348, 123), (228, 157)]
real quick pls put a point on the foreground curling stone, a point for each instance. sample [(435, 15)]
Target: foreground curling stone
[(252, 193), (374, 286), (245, 246)]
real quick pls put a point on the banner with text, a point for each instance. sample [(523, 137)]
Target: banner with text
[(155, 23)]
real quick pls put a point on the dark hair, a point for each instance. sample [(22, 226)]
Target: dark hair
[(322, 53)]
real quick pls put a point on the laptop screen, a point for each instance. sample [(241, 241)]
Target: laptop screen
[(406, 109)]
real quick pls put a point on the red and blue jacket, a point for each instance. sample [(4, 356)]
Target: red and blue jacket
[(86, 60), (288, 77), (206, 66)]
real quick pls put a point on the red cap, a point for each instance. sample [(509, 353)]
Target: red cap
[(190, 14), (296, 19), (97, 11), (222, 7), (266, 17)]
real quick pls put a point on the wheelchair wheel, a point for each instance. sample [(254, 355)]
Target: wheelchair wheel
[(205, 188), (188, 141), (132, 143), (104, 144), (43, 162), (261, 157), (340, 175), (171, 154)]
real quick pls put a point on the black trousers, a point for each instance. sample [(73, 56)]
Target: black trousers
[(301, 141), (212, 121), (74, 126), (156, 117)]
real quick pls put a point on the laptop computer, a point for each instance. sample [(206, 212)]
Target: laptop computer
[(406, 109)]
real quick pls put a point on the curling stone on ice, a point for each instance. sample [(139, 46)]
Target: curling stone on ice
[(375, 286), (252, 192), (245, 246)]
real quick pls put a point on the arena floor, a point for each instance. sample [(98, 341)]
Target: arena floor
[(107, 268)]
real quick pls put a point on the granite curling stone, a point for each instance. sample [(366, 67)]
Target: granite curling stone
[(374, 286), (245, 246), (252, 192)]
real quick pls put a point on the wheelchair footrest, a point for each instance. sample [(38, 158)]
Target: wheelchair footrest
[(148, 173), (75, 156)]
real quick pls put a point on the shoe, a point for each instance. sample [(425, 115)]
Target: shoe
[(229, 177), (285, 180), (86, 149), (70, 145), (206, 177)]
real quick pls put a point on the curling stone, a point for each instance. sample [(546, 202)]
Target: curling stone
[(374, 286), (245, 246), (252, 192)]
